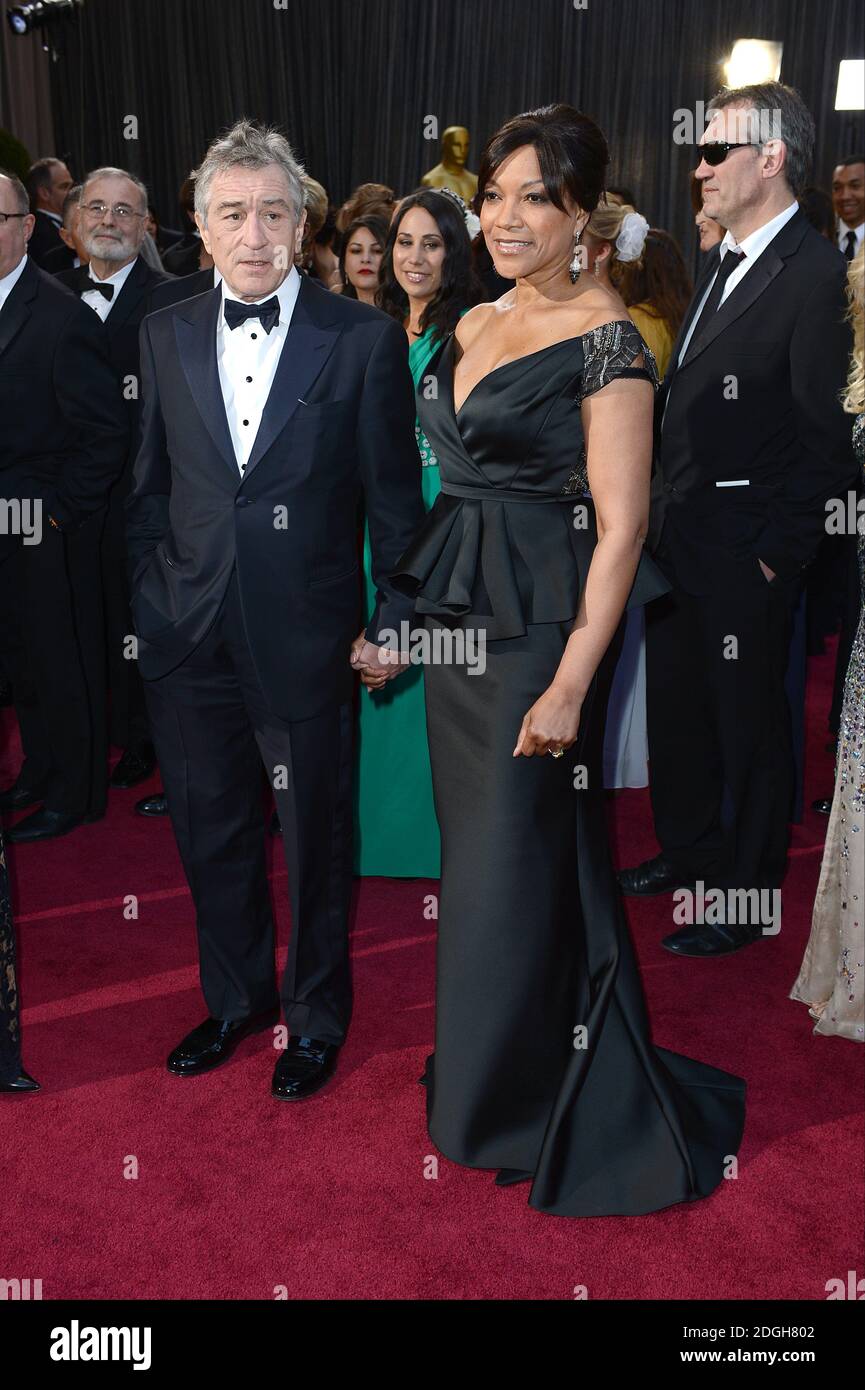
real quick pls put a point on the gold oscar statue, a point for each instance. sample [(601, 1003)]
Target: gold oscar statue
[(452, 172)]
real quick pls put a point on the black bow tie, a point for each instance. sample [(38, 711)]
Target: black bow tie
[(107, 291), (267, 313)]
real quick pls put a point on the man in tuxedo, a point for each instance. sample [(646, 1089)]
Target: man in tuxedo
[(64, 440), (71, 253), (48, 182), (270, 405), (848, 200), (752, 444), (117, 284)]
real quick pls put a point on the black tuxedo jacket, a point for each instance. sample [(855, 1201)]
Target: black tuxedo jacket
[(339, 421), (59, 259), (64, 428), (122, 331), (756, 404), (45, 237), (176, 288)]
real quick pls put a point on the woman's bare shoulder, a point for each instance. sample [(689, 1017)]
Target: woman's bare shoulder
[(596, 306)]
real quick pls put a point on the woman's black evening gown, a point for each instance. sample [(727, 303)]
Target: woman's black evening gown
[(543, 1063), (10, 1042)]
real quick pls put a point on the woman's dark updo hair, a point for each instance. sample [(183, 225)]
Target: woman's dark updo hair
[(378, 227), (572, 153), (459, 288)]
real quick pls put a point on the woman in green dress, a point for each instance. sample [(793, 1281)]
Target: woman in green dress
[(426, 282)]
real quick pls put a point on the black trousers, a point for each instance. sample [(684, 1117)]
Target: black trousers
[(52, 638), (213, 732), (720, 747), (128, 722)]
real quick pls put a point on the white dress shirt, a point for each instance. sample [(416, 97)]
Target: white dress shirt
[(8, 283), (98, 303), (754, 244), (858, 232), (247, 359)]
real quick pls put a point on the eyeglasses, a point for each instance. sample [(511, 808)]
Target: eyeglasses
[(4, 216), (121, 211), (717, 150)]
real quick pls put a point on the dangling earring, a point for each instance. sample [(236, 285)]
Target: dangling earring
[(597, 268), (576, 266)]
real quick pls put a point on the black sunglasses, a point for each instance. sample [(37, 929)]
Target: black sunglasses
[(716, 152)]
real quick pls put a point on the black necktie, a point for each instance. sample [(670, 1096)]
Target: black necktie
[(850, 247), (729, 263), (267, 313)]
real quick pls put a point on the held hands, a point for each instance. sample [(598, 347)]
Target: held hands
[(553, 722), (376, 665)]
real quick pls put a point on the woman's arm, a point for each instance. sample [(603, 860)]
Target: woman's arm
[(617, 422)]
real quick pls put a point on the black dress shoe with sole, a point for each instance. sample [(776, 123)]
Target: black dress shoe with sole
[(44, 825), (23, 1085), (303, 1068), (135, 765), (823, 807), (717, 939), (156, 805), (214, 1041), (651, 877), (17, 798)]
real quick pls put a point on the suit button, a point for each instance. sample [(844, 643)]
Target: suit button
[(243, 501)]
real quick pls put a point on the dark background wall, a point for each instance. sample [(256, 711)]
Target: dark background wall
[(351, 81)]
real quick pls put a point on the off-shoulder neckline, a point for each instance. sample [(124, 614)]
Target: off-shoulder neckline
[(527, 356)]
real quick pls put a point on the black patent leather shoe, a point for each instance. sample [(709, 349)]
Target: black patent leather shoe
[(156, 805), (823, 807), (22, 1085), (43, 825), (135, 766), (718, 939), (214, 1041), (17, 798), (303, 1068), (649, 878)]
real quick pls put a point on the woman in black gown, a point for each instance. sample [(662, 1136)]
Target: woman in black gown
[(543, 1065), (13, 1078)]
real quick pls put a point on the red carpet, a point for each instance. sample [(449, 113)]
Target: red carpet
[(236, 1195)]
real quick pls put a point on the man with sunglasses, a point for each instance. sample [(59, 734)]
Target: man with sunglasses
[(752, 442)]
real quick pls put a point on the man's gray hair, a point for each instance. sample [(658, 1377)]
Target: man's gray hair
[(775, 112), (107, 171), (249, 146)]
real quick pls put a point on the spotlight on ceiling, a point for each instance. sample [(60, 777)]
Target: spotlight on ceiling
[(850, 92), (753, 60), (24, 19)]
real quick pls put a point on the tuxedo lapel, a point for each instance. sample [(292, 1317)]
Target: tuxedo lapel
[(311, 337), (761, 274), (195, 334), (134, 289), (16, 310)]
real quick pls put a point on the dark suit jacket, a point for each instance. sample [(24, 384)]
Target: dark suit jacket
[(58, 259), (45, 238), (756, 402), (175, 289), (339, 421), (122, 331), (64, 430)]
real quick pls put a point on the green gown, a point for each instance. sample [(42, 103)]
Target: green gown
[(396, 833)]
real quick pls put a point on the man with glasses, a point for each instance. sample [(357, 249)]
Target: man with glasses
[(752, 443), (64, 440), (117, 285)]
